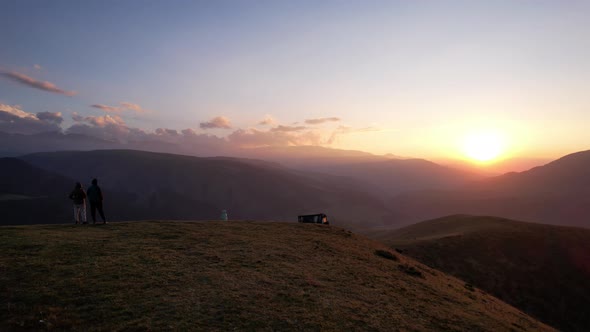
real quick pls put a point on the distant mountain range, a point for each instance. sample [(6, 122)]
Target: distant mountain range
[(171, 186), (557, 193), (541, 269)]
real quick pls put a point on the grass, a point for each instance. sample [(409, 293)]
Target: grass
[(541, 269), (227, 276)]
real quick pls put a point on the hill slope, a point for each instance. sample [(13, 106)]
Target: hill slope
[(227, 276), (541, 269)]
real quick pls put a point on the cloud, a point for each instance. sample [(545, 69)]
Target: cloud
[(16, 111), (33, 83), (321, 120), (16, 121), (107, 127), (188, 132), (250, 138), (166, 131), (344, 130), (124, 106), (77, 117), (106, 108), (267, 121), (220, 122), (36, 66), (132, 107), (288, 128), (50, 117)]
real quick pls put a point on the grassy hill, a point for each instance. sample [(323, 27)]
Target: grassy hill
[(541, 269), (227, 276)]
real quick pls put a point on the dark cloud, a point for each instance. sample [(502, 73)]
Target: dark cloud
[(321, 120), (16, 121), (165, 131), (50, 117), (219, 122), (33, 83)]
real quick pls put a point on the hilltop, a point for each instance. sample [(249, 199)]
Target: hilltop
[(541, 269), (230, 275)]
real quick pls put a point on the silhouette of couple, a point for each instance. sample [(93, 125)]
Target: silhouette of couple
[(94, 195)]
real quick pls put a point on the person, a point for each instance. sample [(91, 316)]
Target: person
[(95, 199), (79, 197), (224, 215)]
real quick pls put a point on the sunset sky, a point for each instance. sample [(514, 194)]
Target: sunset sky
[(412, 78)]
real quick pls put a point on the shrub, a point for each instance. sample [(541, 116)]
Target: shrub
[(410, 270), (386, 254)]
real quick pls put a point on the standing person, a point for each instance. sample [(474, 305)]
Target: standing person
[(79, 197), (95, 198)]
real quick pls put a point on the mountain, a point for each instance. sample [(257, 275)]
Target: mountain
[(556, 193), (186, 187), (390, 177), (31, 195), (12, 145), (540, 269), (220, 276)]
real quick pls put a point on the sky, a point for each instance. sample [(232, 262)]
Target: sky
[(425, 79)]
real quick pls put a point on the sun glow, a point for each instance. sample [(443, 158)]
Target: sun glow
[(484, 147)]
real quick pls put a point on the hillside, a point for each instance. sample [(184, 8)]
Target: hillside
[(541, 269), (557, 193), (228, 276), (31, 195), (391, 177), (186, 187)]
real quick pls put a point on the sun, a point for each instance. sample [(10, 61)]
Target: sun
[(484, 146)]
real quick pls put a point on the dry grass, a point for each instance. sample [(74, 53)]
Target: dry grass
[(228, 276), (542, 269)]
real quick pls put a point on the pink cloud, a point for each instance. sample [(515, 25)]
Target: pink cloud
[(344, 130), (132, 107), (219, 122), (14, 120), (267, 121), (106, 108), (321, 120), (288, 128), (124, 106), (259, 138), (33, 83), (36, 66), (16, 110)]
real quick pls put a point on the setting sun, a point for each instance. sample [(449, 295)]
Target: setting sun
[(483, 146)]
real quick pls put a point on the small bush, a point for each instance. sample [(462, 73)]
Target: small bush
[(410, 270), (386, 254), (469, 287)]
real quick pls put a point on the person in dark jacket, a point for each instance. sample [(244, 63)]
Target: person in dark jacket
[(79, 197), (95, 199)]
